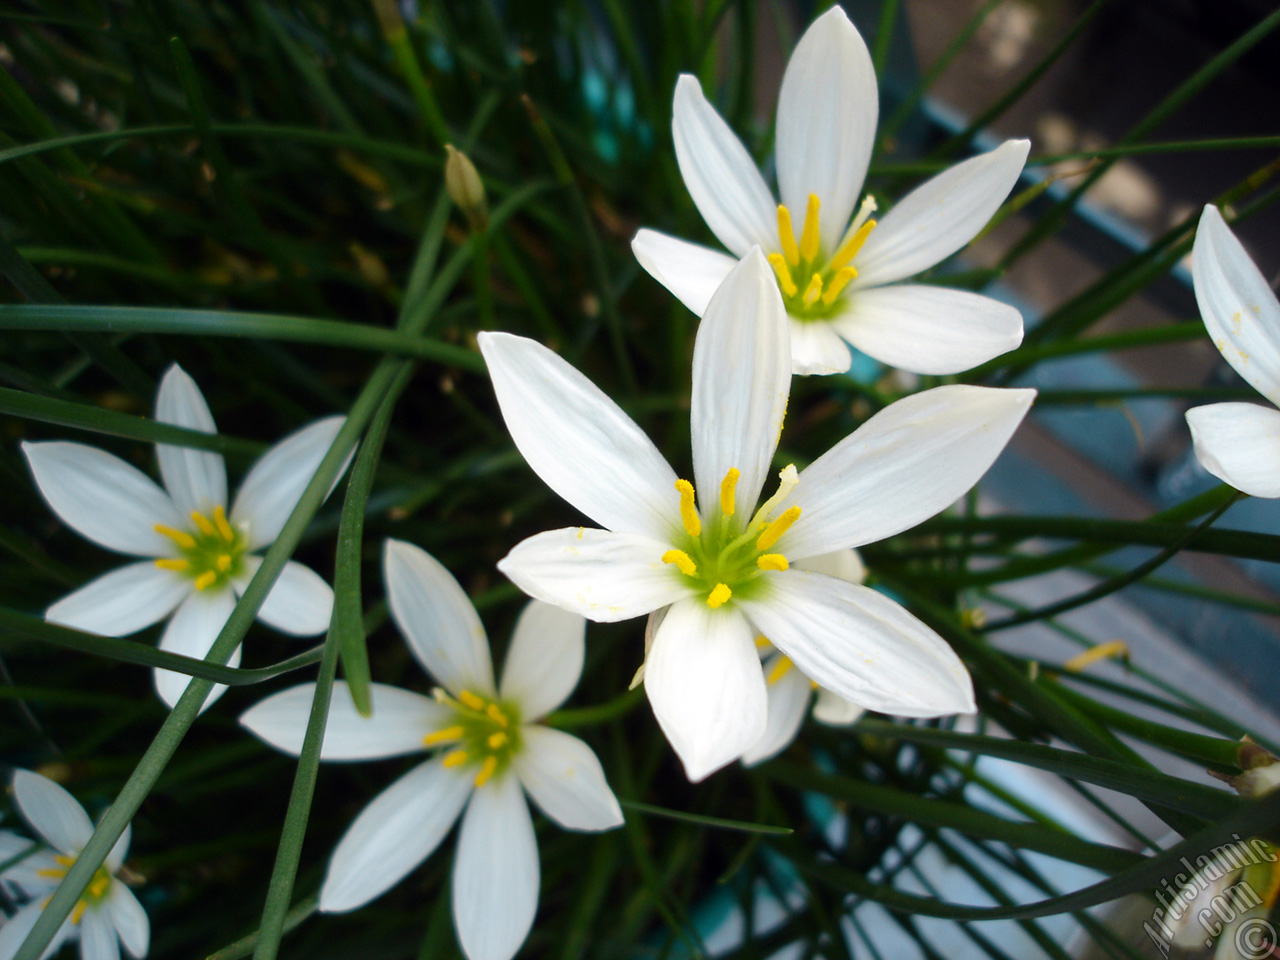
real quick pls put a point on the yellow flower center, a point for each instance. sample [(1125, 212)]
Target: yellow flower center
[(810, 282), (482, 732), (93, 894), (210, 553)]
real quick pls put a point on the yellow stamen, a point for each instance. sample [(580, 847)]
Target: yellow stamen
[(78, 912), (52, 872), (809, 238), (496, 740), (206, 580), (688, 512), (784, 275), (681, 560), (99, 885), (850, 248), (174, 564), (455, 758), (772, 561), (440, 736), (486, 771), (183, 539), (203, 522), (788, 236), (494, 713), (779, 670), (813, 291), (838, 283), (762, 641), (776, 529), (224, 562), (719, 595), (728, 486), (1102, 651), (470, 700), (224, 528)]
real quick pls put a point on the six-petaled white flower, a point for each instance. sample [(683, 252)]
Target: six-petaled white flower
[(839, 276), (1238, 442), (723, 565), (492, 751), (203, 551), (107, 913)]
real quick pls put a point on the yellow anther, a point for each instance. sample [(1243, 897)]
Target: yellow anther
[(496, 740), (455, 758), (838, 283), (727, 488), (681, 560), (1102, 651), (761, 641), (719, 594), (78, 912), (204, 523), (206, 580), (440, 736), (849, 249), (809, 239), (173, 563), (224, 528), (813, 291), (494, 713), (688, 511), (788, 236), (486, 770), (224, 562), (776, 529), (183, 539), (779, 670), (52, 873), (772, 561), (470, 700), (99, 885), (784, 274)]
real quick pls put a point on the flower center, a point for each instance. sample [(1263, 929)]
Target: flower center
[(809, 282), (722, 556), (93, 894), (211, 553), (483, 731)]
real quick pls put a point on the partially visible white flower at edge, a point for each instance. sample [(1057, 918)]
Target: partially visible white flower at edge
[(492, 752), (723, 566), (202, 552), (106, 912), (838, 270), (1238, 442)]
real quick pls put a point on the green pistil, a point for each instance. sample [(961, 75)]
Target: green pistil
[(482, 732), (211, 554)]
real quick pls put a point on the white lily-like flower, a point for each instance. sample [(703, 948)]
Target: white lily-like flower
[(202, 553), (1238, 442), (107, 913), (493, 751), (723, 566), (840, 277)]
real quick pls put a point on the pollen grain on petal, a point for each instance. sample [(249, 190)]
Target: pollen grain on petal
[(688, 509), (718, 596)]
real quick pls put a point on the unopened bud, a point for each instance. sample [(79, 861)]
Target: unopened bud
[(465, 188), (1261, 774)]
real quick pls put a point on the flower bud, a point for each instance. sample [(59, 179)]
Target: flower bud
[(465, 188)]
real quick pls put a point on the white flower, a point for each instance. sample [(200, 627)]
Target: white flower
[(106, 911), (202, 552), (721, 567), (839, 275), (491, 746), (1238, 442)]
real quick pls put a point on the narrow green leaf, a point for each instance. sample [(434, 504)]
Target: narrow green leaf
[(718, 823)]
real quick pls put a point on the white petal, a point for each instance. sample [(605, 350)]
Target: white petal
[(495, 872), (845, 564), (98, 939), (1239, 308), (827, 112), (400, 720), (544, 660), (437, 619), (927, 329), (861, 645), (275, 484), (741, 380), (788, 701), (52, 812), (300, 602), (816, 348), (103, 498), (393, 834), (129, 920), (196, 479), (578, 440), (16, 928), (123, 601), (834, 710), (940, 216), (704, 682), (690, 271), (191, 632), (604, 576), (909, 461), (26, 874), (1239, 443), (565, 779), (720, 175)]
